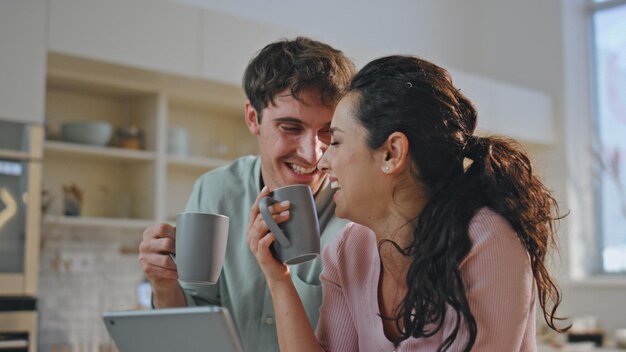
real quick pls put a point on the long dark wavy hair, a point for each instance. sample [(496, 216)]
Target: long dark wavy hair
[(417, 98)]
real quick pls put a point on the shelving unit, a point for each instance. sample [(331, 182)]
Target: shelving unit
[(126, 187), (195, 163), (52, 220), (65, 149)]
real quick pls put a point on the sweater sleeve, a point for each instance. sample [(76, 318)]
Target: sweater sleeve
[(336, 330), (499, 284)]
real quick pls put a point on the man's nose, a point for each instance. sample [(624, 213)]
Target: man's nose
[(311, 148)]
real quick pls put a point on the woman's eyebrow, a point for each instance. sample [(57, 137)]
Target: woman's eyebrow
[(335, 129)]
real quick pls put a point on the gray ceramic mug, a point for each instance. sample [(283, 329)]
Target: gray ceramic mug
[(200, 246), (298, 238)]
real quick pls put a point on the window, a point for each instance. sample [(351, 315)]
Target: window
[(609, 36)]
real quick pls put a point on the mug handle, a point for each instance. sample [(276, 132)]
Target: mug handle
[(264, 203)]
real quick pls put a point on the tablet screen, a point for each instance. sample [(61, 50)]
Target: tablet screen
[(191, 329)]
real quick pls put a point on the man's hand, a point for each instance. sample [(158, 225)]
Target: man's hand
[(154, 255)]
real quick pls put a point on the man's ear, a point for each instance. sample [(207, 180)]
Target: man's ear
[(394, 153), (252, 118)]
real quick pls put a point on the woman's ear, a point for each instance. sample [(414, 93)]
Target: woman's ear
[(252, 118), (395, 153)]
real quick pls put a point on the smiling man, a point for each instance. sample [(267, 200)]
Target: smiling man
[(293, 134), (292, 87)]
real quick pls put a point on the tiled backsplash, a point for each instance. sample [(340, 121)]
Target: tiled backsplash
[(84, 271)]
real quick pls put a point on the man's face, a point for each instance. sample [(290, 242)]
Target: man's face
[(292, 137)]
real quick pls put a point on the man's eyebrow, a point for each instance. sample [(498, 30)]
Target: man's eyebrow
[(288, 120), (294, 120)]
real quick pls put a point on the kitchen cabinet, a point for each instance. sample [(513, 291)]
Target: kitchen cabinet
[(509, 110), (22, 59), (127, 186), (225, 62), (159, 35)]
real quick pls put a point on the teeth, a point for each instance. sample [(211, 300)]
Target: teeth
[(334, 184), (301, 170)]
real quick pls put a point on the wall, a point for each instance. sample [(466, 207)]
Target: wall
[(85, 270), (368, 29)]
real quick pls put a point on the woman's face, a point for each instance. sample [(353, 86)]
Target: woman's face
[(352, 167)]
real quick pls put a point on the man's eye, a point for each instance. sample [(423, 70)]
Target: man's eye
[(289, 129), (324, 136)]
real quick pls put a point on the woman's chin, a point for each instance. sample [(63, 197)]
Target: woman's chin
[(341, 213)]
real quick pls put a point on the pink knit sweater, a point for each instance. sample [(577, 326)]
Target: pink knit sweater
[(499, 286)]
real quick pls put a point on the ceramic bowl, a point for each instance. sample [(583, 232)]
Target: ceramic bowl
[(87, 132)]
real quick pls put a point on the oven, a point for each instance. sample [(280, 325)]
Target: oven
[(18, 324), (21, 149)]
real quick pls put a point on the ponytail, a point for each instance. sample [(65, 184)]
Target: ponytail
[(510, 188)]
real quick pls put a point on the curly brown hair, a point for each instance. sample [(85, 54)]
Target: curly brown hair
[(297, 65), (417, 98)]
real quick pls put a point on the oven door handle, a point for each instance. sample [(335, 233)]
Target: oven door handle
[(12, 344)]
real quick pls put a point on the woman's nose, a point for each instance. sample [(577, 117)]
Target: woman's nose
[(323, 165)]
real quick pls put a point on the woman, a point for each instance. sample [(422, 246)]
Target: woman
[(450, 230)]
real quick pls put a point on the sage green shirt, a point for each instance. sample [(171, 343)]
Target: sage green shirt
[(241, 288)]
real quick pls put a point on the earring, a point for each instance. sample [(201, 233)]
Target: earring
[(386, 168)]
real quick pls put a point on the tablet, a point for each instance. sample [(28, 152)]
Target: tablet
[(205, 329)]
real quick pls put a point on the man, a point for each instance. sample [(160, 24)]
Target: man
[(292, 88)]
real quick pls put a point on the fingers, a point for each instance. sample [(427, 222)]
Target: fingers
[(163, 246), (259, 229), (263, 251), (157, 243), (254, 211), (274, 209), (160, 230), (158, 267)]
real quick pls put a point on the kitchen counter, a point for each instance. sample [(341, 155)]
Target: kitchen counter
[(576, 347)]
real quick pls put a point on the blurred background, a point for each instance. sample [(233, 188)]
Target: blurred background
[(110, 109)]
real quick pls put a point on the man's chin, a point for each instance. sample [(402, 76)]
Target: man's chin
[(316, 185), (314, 182)]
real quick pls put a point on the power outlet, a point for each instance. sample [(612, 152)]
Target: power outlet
[(77, 262)]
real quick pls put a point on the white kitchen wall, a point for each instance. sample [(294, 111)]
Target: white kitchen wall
[(85, 270), (367, 29)]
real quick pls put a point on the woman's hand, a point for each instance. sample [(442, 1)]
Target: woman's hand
[(259, 239)]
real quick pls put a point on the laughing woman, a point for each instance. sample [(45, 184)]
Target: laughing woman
[(450, 231)]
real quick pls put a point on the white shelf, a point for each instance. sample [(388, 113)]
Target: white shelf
[(158, 184), (99, 222), (110, 153), (196, 163)]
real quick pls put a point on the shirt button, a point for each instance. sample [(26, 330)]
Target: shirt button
[(269, 320)]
